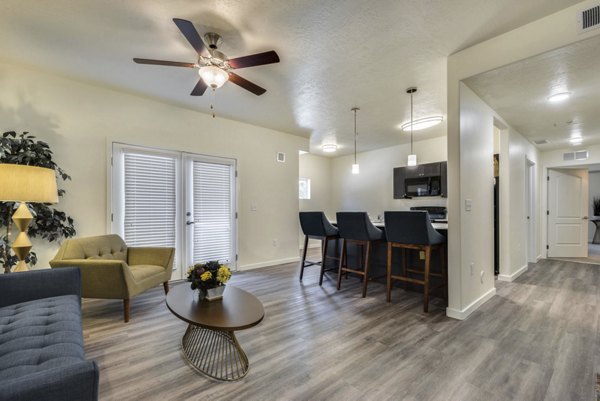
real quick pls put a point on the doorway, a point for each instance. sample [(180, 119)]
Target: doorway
[(531, 210)]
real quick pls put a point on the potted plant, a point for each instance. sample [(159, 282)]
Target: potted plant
[(48, 223), (209, 278), (596, 205)]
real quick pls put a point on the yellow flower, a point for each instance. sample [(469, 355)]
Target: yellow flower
[(223, 274), (206, 276)]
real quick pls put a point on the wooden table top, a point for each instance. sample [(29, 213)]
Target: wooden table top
[(237, 310)]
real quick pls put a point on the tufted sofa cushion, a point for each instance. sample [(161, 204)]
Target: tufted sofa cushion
[(39, 335)]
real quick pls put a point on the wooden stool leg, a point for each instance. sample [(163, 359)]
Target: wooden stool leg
[(389, 272), (444, 272), (404, 262), (366, 270), (342, 259), (426, 279), (323, 259), (303, 256)]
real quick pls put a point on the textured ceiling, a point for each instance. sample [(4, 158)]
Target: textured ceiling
[(518, 92), (334, 55)]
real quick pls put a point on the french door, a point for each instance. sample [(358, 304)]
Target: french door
[(177, 199)]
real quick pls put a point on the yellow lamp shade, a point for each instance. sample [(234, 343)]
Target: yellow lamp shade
[(22, 183)]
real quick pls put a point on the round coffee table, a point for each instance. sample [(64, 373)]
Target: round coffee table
[(209, 344)]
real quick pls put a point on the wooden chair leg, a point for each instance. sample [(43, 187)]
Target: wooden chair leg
[(366, 270), (342, 259), (166, 287), (444, 272), (426, 279), (323, 259), (126, 310), (404, 262), (303, 256), (389, 272)]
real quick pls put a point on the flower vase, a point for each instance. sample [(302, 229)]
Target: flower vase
[(214, 294)]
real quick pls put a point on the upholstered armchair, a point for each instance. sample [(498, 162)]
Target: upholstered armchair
[(110, 269)]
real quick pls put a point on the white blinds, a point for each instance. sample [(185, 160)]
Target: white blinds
[(150, 200), (212, 212)]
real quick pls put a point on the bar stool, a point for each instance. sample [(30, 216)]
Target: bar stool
[(413, 231), (356, 228), (316, 226)]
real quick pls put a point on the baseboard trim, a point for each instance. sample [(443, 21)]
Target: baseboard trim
[(512, 277), (463, 314), (269, 263), (538, 257)]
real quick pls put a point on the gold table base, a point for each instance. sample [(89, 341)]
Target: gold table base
[(214, 353)]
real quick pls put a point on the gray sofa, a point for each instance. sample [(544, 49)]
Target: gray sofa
[(41, 340)]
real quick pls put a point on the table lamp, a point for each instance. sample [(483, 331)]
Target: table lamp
[(22, 183)]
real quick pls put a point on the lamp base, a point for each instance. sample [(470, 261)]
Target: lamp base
[(20, 267), (21, 246)]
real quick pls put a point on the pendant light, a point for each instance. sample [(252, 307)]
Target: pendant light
[(355, 168), (412, 158)]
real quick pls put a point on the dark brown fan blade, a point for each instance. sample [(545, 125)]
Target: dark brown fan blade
[(163, 62), (254, 60), (199, 89), (244, 83), (191, 34)]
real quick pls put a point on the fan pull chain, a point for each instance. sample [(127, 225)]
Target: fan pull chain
[(212, 102)]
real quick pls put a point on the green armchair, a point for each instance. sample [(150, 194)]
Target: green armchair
[(110, 269)]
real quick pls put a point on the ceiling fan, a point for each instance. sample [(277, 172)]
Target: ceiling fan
[(213, 66)]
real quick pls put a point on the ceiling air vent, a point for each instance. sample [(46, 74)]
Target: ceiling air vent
[(581, 155), (540, 141), (589, 19), (569, 156)]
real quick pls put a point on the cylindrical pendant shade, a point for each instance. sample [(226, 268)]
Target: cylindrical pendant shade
[(22, 183), (412, 160)]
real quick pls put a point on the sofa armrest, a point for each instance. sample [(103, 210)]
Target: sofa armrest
[(151, 256), (76, 382), (36, 284), (101, 278)]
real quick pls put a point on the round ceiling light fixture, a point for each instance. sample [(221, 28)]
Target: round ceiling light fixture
[(558, 97), (329, 147), (213, 76), (422, 123)]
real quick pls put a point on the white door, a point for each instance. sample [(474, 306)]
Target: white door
[(210, 210), (567, 213)]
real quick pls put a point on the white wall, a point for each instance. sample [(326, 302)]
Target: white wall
[(79, 120), (318, 170), (372, 190), (551, 32)]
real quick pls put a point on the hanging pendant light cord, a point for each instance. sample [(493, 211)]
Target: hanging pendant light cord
[(355, 134), (411, 124)]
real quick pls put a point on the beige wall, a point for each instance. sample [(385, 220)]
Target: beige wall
[(318, 170), (79, 121), (372, 190)]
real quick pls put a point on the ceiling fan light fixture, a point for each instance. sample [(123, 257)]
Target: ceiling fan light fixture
[(422, 123), (329, 147), (213, 76)]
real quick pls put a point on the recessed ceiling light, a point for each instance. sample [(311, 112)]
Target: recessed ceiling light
[(576, 140), (422, 123), (558, 97), (329, 147)]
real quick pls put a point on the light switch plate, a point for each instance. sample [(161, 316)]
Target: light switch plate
[(468, 205)]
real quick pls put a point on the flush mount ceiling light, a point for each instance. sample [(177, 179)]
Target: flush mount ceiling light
[(329, 147), (576, 139), (421, 123), (355, 168), (558, 97)]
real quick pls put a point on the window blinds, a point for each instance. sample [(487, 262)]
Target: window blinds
[(212, 212), (150, 200)]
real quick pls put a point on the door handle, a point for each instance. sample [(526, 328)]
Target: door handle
[(585, 218), (189, 223)]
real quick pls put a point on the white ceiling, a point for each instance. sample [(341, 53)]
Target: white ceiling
[(519, 92), (334, 55)]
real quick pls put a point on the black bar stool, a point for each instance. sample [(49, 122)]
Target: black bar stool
[(413, 231), (316, 226), (356, 228)]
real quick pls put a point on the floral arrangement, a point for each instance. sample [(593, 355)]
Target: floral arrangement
[(208, 275)]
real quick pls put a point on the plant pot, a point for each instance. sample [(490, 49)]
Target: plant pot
[(214, 294)]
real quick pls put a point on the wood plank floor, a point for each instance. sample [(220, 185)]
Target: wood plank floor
[(537, 339)]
